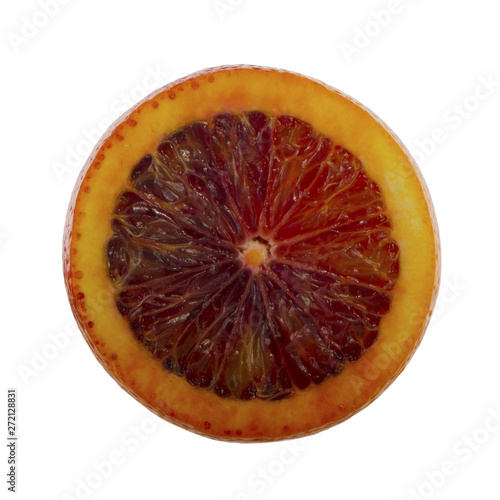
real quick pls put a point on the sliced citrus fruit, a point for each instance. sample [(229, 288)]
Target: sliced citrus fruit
[(251, 254)]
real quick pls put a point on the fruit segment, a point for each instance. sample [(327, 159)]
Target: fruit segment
[(252, 256)]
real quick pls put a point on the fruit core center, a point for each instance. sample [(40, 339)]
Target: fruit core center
[(256, 252)]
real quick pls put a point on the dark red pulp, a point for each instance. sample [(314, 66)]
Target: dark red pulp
[(175, 255)]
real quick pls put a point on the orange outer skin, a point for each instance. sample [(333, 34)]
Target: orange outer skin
[(332, 113)]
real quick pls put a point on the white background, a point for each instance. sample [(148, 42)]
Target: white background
[(67, 74)]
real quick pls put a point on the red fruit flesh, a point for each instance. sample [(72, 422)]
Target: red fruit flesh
[(252, 256)]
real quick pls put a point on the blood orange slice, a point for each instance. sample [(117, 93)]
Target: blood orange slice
[(251, 254)]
